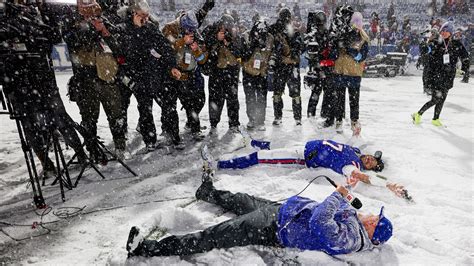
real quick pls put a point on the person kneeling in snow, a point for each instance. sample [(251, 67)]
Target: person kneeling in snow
[(331, 226)]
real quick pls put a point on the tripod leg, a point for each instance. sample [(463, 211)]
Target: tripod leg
[(63, 161), (46, 160), (83, 168), (59, 178), (114, 157)]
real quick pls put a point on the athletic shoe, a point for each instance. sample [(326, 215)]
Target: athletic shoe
[(339, 127), (436, 122), (356, 128), (298, 122), (416, 117), (277, 122), (134, 242)]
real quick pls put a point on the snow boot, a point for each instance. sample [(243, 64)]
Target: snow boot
[(277, 122), (134, 242), (416, 117), (356, 128), (339, 127)]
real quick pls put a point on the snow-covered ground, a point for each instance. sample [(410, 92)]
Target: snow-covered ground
[(435, 165)]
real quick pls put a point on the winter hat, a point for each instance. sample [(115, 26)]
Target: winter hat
[(139, 5), (383, 230), (380, 164), (189, 21), (447, 27), (284, 15), (357, 20), (227, 21)]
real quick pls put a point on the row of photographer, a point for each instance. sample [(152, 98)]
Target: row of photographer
[(119, 52)]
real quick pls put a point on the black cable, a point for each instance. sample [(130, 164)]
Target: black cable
[(64, 213), (310, 182)]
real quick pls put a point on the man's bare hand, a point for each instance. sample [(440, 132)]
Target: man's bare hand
[(194, 46), (176, 73), (342, 190), (189, 38), (399, 190)]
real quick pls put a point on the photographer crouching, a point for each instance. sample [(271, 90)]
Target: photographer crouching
[(29, 81)]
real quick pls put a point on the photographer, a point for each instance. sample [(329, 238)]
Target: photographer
[(190, 54), (352, 48), (321, 66), (29, 81), (258, 45), (444, 52), (150, 64), (95, 70), (285, 65), (224, 48)]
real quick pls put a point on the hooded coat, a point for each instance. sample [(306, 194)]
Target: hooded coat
[(331, 226)]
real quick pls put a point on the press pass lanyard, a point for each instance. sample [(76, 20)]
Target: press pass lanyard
[(446, 54)]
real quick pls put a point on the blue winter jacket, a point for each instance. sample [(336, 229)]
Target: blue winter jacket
[(331, 226)]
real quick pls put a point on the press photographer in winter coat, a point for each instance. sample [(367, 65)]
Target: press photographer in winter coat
[(190, 55), (95, 80), (444, 52), (331, 226), (285, 65), (352, 51), (150, 64), (320, 76), (224, 47), (258, 45)]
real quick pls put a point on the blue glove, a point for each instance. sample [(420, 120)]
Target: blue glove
[(270, 81), (358, 57)]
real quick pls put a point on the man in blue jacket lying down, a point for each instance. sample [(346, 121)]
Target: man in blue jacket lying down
[(332, 226)]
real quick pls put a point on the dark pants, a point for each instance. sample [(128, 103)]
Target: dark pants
[(256, 224), (438, 97), (287, 75), (165, 94), (352, 84), (223, 87), (255, 88), (192, 96), (93, 93), (317, 86)]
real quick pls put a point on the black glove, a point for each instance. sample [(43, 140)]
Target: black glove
[(208, 5)]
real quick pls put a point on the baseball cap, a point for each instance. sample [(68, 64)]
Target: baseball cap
[(383, 230)]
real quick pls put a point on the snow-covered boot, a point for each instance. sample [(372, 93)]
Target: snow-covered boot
[(356, 128), (339, 127), (134, 242)]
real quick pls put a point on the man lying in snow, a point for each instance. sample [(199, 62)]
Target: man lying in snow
[(341, 158), (332, 226)]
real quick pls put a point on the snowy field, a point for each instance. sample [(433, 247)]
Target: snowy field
[(435, 165)]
